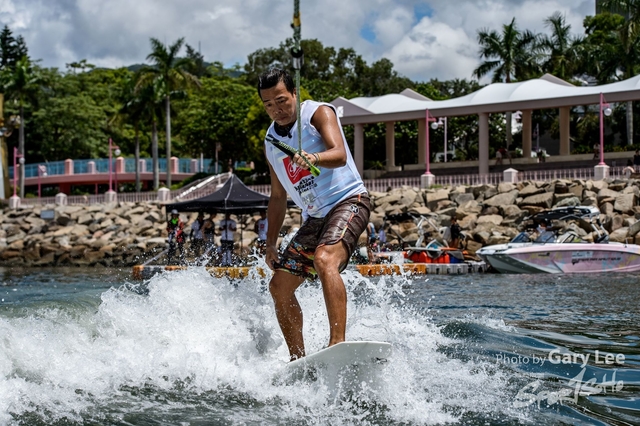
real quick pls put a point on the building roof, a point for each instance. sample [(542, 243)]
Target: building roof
[(541, 93)]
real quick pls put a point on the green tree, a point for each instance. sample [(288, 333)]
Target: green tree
[(72, 119), (379, 79), (215, 114), (170, 71), (328, 73), (629, 35), (510, 55), (11, 48), (20, 84), (149, 99), (561, 49), (132, 110), (613, 48), (197, 66)]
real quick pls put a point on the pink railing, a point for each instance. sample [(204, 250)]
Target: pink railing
[(383, 185), (548, 175), (189, 192), (469, 180), (207, 187)]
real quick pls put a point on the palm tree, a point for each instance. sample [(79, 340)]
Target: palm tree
[(20, 84), (629, 36), (171, 74), (132, 110), (510, 55), (149, 107), (561, 49)]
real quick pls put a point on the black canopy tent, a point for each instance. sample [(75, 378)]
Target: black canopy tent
[(234, 197)]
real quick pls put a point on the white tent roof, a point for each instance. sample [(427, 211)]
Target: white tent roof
[(545, 92)]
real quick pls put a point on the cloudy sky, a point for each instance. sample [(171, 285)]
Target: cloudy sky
[(424, 39)]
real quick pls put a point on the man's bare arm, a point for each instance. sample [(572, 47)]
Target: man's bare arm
[(326, 122)]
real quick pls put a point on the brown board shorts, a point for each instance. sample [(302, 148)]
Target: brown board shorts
[(345, 222)]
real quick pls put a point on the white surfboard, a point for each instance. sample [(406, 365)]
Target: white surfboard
[(356, 355)]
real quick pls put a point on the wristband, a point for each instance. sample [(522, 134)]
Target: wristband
[(315, 154)]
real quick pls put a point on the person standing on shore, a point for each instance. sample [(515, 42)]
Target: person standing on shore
[(372, 238), (197, 235), (636, 161), (228, 229), (261, 227), (175, 232), (455, 232), (335, 206), (629, 170)]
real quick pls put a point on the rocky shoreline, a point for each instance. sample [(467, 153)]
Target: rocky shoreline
[(127, 234)]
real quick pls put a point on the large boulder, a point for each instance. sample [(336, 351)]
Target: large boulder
[(605, 194), (506, 187), (482, 192), (544, 200), (597, 185), (408, 197), (433, 198), (634, 229), (470, 207), (619, 235), (564, 200), (494, 219), (531, 189), (460, 199), (502, 199), (468, 221), (576, 189), (624, 203), (422, 210), (512, 212)]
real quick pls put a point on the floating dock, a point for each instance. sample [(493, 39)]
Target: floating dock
[(421, 269), (142, 272)]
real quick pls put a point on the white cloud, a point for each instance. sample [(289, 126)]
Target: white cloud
[(434, 50), (117, 32), (392, 28)]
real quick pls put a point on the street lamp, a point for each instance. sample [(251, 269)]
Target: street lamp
[(605, 109), (117, 152), (427, 156), (42, 171), (442, 121), (15, 168)]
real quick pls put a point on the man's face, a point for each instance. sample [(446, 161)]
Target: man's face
[(279, 104)]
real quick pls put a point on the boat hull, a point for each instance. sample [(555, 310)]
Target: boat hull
[(577, 258)]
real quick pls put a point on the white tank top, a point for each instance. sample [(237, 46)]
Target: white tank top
[(316, 196)]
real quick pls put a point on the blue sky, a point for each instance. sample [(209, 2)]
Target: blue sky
[(424, 39)]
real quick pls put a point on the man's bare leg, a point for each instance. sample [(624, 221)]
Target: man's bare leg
[(283, 286), (327, 261)]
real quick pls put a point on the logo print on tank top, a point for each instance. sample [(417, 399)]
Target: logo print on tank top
[(294, 172)]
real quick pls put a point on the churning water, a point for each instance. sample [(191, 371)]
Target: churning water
[(183, 348)]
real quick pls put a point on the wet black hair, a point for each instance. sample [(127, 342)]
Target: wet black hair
[(272, 77)]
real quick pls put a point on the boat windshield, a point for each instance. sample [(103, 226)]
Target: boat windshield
[(546, 237), (570, 237), (435, 245), (522, 237)]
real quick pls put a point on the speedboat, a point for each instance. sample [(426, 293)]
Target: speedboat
[(563, 252)]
